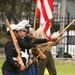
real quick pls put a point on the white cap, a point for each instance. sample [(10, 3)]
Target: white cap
[(27, 25), (21, 27), (22, 24), (13, 27)]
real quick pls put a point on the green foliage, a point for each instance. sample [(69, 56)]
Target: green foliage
[(15, 7)]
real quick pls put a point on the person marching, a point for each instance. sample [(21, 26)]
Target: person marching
[(11, 65), (32, 51), (25, 44), (48, 62)]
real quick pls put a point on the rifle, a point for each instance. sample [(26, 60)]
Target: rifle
[(20, 61), (59, 39), (50, 44), (42, 56)]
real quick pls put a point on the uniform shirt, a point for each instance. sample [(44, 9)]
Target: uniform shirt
[(28, 45), (39, 34), (11, 55)]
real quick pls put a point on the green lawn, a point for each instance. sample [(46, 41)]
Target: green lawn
[(1, 62), (63, 67)]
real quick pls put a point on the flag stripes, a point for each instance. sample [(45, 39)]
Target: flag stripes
[(44, 12)]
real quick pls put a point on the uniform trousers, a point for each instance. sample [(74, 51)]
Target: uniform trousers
[(47, 63), (36, 69), (5, 72), (24, 72), (31, 70)]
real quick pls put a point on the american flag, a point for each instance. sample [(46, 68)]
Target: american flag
[(44, 12)]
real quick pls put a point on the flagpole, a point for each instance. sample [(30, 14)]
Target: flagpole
[(35, 16), (42, 56)]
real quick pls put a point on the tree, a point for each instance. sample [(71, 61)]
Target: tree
[(63, 10)]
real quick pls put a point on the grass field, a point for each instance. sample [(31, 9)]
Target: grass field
[(1, 62), (64, 67)]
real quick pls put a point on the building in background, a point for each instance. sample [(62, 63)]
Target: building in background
[(70, 7)]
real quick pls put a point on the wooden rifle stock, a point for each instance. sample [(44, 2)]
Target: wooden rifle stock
[(42, 56), (14, 41), (51, 43), (59, 39)]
